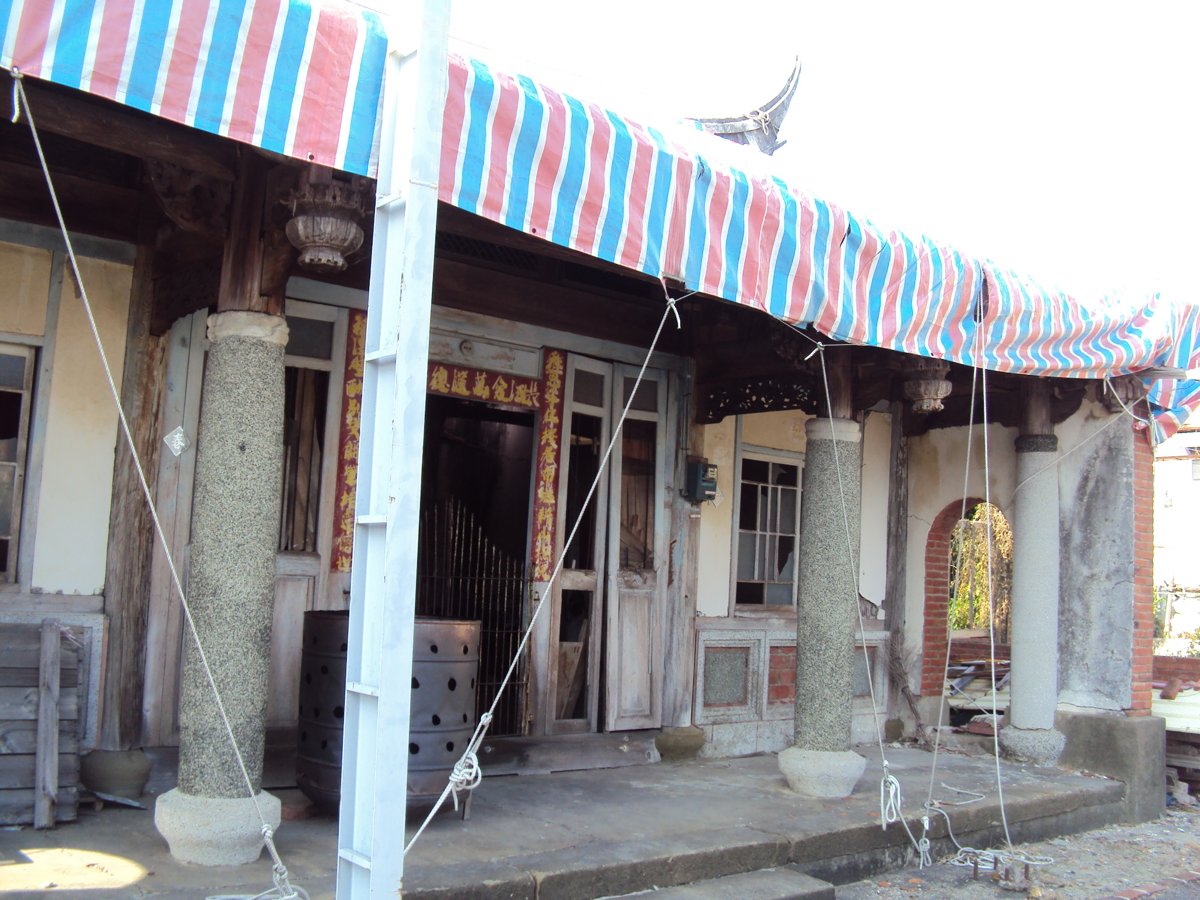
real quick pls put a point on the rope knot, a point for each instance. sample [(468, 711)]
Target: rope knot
[(17, 75), (466, 775)]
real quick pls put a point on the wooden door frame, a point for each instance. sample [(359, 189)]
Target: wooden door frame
[(663, 525), (173, 498), (568, 580)]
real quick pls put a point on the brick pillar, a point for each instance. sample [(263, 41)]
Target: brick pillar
[(1143, 575), (936, 629)]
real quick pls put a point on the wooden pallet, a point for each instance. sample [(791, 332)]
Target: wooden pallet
[(39, 724)]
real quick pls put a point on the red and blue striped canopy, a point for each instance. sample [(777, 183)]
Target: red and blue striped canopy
[(669, 203), (304, 78), (297, 77)]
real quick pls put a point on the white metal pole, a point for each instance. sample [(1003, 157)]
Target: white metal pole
[(383, 576)]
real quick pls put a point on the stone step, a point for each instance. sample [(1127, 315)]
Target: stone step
[(764, 884)]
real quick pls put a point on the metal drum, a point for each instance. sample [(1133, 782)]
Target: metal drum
[(322, 707), (442, 717)]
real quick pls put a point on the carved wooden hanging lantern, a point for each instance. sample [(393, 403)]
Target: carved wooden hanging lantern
[(925, 383), (325, 220)]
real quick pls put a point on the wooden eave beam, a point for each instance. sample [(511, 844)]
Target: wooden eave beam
[(468, 287), (88, 206), (103, 123)]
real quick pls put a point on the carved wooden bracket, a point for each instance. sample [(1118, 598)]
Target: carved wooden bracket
[(195, 202), (752, 395)]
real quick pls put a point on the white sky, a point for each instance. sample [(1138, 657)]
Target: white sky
[(1060, 139)]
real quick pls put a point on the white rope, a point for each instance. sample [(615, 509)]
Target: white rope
[(467, 773), (987, 498), (282, 890), (987, 859)]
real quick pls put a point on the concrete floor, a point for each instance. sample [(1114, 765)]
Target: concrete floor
[(587, 834)]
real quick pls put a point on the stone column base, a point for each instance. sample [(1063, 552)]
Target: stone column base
[(1040, 746), (821, 773), (214, 831)]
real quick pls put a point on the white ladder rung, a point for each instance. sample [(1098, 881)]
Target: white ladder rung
[(355, 858)]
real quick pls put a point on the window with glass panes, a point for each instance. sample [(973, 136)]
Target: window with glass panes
[(768, 515), (16, 383)]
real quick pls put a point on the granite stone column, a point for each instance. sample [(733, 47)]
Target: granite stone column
[(210, 818), (1029, 732), (821, 763)]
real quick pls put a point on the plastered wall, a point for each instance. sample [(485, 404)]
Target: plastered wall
[(25, 275), (716, 522), (937, 463), (71, 536), (785, 431)]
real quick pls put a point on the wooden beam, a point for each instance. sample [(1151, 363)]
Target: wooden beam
[(839, 369), (110, 125), (257, 257), (45, 789), (130, 532), (1035, 417), (90, 207), (897, 524), (463, 286)]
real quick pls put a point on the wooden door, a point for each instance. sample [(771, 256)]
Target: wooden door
[(577, 611), (637, 545), (315, 362)]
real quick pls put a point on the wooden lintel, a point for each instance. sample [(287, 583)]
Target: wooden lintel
[(103, 123)]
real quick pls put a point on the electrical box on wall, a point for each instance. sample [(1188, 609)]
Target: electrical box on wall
[(701, 483)]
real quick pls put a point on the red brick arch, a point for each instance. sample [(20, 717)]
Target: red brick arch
[(937, 594)]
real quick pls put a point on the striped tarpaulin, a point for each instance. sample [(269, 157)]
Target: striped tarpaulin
[(669, 204), (297, 77), (304, 78)]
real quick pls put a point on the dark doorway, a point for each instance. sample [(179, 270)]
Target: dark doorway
[(473, 548)]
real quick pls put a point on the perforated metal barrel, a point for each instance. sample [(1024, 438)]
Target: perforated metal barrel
[(322, 699), (442, 717)]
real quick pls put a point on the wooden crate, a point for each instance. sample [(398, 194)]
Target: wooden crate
[(33, 725)]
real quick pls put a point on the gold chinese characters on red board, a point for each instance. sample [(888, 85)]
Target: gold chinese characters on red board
[(545, 492), (480, 384)]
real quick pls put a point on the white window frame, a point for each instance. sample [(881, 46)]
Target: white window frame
[(769, 455), (11, 578)]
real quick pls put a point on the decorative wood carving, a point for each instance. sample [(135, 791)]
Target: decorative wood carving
[(195, 202), (752, 395)]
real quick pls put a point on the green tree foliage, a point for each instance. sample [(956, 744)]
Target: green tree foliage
[(974, 599)]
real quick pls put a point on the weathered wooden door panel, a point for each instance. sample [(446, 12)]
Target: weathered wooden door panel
[(633, 632), (637, 544), (293, 596)]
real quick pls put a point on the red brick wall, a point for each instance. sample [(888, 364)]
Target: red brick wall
[(937, 596), (978, 648), (781, 675), (1143, 575), (1184, 667)]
